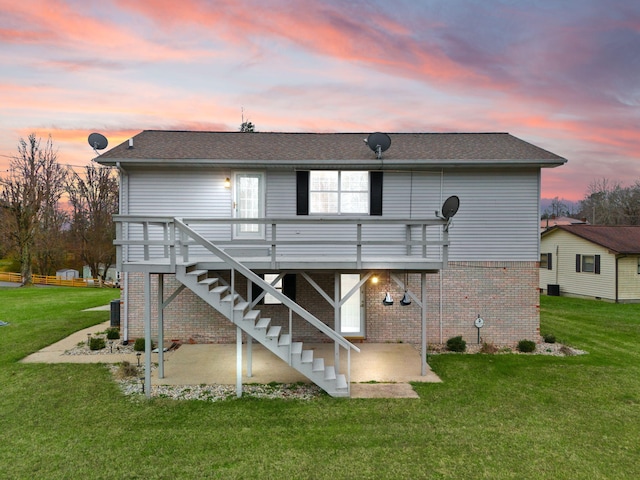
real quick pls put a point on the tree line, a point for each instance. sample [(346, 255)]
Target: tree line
[(52, 217), (605, 203)]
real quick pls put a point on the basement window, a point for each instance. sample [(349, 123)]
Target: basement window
[(268, 298)]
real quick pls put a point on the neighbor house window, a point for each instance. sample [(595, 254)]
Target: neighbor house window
[(545, 261), (588, 263), (338, 192)]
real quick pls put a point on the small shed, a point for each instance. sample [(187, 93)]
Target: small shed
[(67, 274)]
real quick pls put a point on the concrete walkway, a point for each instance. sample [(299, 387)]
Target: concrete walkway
[(390, 365)]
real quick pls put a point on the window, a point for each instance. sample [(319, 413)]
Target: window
[(338, 192), (268, 298), (638, 265), (545, 261), (588, 263)]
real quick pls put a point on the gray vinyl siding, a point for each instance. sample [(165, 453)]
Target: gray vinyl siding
[(497, 220)]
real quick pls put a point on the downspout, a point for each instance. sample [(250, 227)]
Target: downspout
[(618, 257), (124, 210), (440, 311)]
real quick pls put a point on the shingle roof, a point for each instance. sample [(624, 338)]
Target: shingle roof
[(619, 239), (171, 146)]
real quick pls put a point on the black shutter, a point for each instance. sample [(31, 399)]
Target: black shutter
[(302, 193), (578, 265), (289, 285), (549, 261), (256, 291), (596, 265), (375, 193)]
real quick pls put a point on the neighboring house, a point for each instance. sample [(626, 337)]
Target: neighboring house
[(282, 236), (593, 261), (547, 223), (111, 276)]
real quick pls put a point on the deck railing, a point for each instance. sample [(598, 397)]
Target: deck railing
[(158, 238)]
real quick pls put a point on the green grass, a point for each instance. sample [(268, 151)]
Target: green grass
[(494, 416)]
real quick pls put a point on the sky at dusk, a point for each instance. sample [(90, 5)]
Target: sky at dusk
[(564, 75)]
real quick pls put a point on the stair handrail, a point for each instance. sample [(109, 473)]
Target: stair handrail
[(266, 286)]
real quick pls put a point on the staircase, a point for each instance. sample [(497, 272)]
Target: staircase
[(208, 286)]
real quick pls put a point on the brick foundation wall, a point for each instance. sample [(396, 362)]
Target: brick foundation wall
[(504, 294)]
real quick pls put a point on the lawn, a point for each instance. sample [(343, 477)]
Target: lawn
[(501, 416)]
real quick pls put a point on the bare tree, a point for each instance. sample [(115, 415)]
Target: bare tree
[(94, 200), (609, 203), (557, 209), (34, 179)]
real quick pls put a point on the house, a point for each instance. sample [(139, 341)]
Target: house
[(591, 261), (291, 238), (550, 222)]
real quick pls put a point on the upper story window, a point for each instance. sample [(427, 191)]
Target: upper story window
[(338, 192)]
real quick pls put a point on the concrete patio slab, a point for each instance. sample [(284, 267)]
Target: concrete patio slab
[(390, 365)]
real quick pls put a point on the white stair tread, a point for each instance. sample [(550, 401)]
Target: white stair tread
[(263, 323), (274, 332), (307, 356), (241, 306), (230, 297), (220, 289), (341, 381), (296, 348), (252, 315), (208, 281), (197, 273), (330, 372), (318, 365), (285, 340)]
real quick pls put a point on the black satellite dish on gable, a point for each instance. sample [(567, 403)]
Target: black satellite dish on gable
[(98, 141), (378, 142), (449, 209)]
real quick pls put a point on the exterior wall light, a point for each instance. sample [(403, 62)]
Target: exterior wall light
[(227, 182), (374, 279)]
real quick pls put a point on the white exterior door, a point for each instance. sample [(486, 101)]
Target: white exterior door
[(249, 200), (351, 311)]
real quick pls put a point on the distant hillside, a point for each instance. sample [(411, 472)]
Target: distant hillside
[(571, 205)]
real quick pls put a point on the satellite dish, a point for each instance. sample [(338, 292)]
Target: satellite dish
[(98, 141), (450, 207), (378, 142)]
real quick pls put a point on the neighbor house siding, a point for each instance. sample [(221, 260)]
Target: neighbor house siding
[(584, 284), (628, 279)]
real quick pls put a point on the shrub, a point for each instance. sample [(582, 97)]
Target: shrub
[(113, 333), (489, 348), (526, 346), (96, 343), (139, 345), (456, 344), (549, 338), (126, 370)]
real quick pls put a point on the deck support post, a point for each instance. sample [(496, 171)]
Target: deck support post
[(161, 325), (336, 317), (238, 362), (249, 337), (423, 311), (147, 334)]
